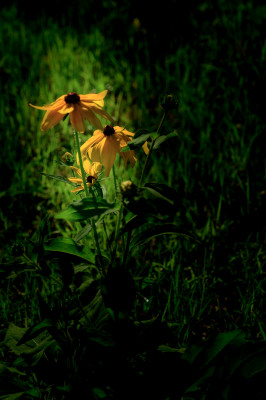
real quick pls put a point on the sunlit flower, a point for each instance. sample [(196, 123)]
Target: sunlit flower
[(92, 171), (105, 144), (79, 107)]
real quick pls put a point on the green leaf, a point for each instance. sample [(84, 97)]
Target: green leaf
[(83, 232), (139, 141), (154, 231), (221, 341), (84, 209), (162, 191), (67, 245), (163, 138), (254, 365), (35, 330), (14, 336), (12, 396)]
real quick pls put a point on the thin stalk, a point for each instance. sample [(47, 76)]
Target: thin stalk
[(151, 148), (115, 180), (87, 195), (81, 165)]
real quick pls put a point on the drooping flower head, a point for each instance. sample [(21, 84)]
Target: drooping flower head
[(92, 171), (105, 144), (79, 107)]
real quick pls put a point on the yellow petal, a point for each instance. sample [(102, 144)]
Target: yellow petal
[(95, 152), (89, 116), (96, 97), (78, 189), (77, 170), (96, 138), (108, 155), (66, 109), (50, 119), (118, 129), (96, 168), (75, 180), (76, 120), (146, 148), (86, 165), (102, 113), (56, 104)]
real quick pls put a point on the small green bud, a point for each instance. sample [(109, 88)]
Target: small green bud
[(169, 102)]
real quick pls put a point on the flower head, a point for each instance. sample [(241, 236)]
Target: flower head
[(92, 171), (105, 144), (79, 107)]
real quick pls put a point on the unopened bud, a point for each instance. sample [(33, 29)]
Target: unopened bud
[(128, 189), (68, 158), (169, 102)]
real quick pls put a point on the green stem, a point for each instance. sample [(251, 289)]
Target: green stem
[(151, 148), (115, 181), (81, 165), (87, 195)]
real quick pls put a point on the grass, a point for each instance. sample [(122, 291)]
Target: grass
[(213, 282)]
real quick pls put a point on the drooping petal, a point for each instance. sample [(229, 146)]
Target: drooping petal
[(86, 165), (146, 148), (96, 168), (77, 170), (101, 112), (50, 119), (89, 116), (76, 120), (96, 138), (56, 104), (132, 157), (77, 189), (95, 152), (108, 155)]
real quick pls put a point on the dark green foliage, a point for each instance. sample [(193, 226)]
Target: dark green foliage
[(182, 314)]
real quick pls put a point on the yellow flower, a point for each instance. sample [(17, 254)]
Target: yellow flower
[(104, 145), (92, 171), (79, 107)]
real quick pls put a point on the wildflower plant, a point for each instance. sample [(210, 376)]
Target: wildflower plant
[(137, 210), (90, 340)]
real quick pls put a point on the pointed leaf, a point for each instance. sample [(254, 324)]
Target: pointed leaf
[(162, 191), (35, 330), (139, 141), (67, 245), (221, 341), (84, 209), (163, 138)]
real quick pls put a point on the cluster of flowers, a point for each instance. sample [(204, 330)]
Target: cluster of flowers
[(101, 148)]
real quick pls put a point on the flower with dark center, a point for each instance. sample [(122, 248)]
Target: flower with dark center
[(105, 144), (79, 107), (92, 170)]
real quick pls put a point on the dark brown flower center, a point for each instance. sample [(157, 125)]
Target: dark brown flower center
[(108, 130), (90, 178), (72, 98)]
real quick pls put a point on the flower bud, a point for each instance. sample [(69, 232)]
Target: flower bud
[(169, 102), (128, 189), (68, 158)]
